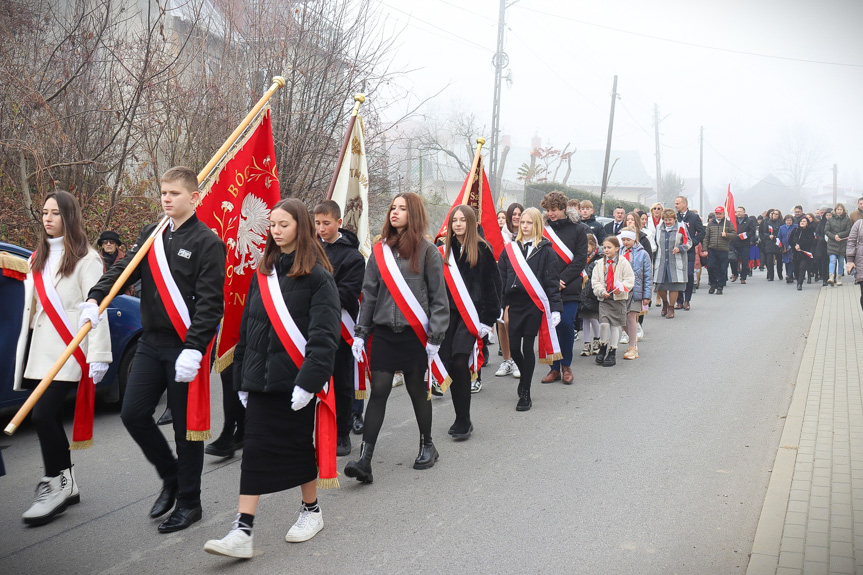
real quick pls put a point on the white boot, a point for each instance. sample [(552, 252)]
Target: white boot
[(71, 486), (50, 501)]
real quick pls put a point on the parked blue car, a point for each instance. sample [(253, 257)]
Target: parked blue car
[(124, 318)]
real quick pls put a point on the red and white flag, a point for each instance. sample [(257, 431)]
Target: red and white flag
[(236, 206), (476, 193), (730, 210)]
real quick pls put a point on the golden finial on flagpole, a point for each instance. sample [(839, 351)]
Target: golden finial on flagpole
[(358, 99), (280, 80), (480, 141)]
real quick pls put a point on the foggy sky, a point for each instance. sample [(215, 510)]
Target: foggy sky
[(562, 75)]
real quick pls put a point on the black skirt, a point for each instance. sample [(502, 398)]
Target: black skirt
[(391, 352), (458, 339), (278, 448), (524, 316)]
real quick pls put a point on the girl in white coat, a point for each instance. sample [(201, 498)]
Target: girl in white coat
[(67, 268)]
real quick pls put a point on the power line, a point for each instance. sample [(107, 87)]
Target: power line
[(427, 23), (477, 14), (757, 179), (691, 44)]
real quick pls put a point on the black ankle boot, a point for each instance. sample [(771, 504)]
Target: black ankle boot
[(611, 358), (600, 358), (524, 402), (427, 455), (362, 469), (461, 429)]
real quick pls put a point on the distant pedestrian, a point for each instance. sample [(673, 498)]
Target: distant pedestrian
[(785, 231), (640, 295), (854, 254), (746, 229), (837, 230), (612, 281), (716, 244), (110, 247), (803, 243), (771, 248), (587, 217), (588, 307), (669, 273), (695, 231)]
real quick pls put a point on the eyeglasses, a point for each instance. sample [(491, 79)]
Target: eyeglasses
[(109, 242), (656, 209)]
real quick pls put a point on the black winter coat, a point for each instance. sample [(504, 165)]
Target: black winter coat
[(482, 281), (349, 267), (746, 225), (805, 238), (694, 226), (768, 246), (196, 258), (261, 363), (596, 229), (589, 301), (574, 236), (542, 260)]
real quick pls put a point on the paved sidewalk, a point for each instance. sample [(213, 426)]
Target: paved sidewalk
[(812, 519)]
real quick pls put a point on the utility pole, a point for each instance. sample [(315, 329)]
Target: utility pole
[(835, 187), (701, 173), (500, 60), (608, 149), (658, 166)]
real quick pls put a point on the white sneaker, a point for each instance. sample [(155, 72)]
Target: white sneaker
[(515, 372), (576, 335), (237, 543), (505, 368), (624, 338), (306, 527), (398, 379), (640, 332), (476, 386), (436, 389), (51, 500)]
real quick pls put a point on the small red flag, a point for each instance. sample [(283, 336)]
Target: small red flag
[(730, 211)]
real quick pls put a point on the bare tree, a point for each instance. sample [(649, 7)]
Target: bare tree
[(800, 154)]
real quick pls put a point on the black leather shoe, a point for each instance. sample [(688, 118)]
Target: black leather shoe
[(427, 456), (165, 500), (524, 402), (343, 445), (222, 447), (611, 358), (603, 350), (166, 418), (357, 424), (181, 518), (460, 430), (712, 290)]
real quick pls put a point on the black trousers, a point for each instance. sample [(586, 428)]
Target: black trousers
[(235, 413), (686, 295), (740, 265), (789, 270), (48, 420), (153, 373), (801, 266), (773, 262), (717, 265), (343, 386)]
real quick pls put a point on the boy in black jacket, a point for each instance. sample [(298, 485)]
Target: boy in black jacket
[(349, 266), (195, 259)]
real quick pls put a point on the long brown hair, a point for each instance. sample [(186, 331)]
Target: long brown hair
[(470, 245), (509, 211), (75, 244), (408, 241), (309, 250)]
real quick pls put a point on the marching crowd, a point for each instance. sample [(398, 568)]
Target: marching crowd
[(318, 315)]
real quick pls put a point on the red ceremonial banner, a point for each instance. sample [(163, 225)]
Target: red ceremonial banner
[(237, 208), (730, 210), (480, 199)]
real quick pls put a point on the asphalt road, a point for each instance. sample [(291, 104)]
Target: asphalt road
[(659, 465)]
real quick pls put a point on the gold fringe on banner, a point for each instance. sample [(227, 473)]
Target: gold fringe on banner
[(14, 263), (548, 360), (81, 444), (332, 483), (361, 394), (198, 435)]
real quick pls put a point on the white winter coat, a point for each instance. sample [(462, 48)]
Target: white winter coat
[(46, 345)]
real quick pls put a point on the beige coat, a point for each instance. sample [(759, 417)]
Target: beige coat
[(622, 272), (46, 345)]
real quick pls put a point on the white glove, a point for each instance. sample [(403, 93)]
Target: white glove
[(484, 330), (300, 398), (89, 312), (358, 348), (244, 397), (187, 365), (555, 318), (431, 350), (98, 371)]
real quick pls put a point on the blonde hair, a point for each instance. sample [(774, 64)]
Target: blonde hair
[(536, 218)]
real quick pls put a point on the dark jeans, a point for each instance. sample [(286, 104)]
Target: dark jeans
[(48, 421), (152, 373), (566, 334), (343, 386), (773, 262), (717, 264), (789, 270), (686, 295)]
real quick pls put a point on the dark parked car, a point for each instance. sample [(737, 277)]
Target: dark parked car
[(124, 318)]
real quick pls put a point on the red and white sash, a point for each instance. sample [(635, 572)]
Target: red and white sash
[(410, 308), (466, 308), (549, 346), (82, 430), (348, 325), (295, 344), (559, 247), (198, 404), (506, 235)]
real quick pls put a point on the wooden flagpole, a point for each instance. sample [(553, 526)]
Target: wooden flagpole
[(36, 394), (358, 99), (476, 156)]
